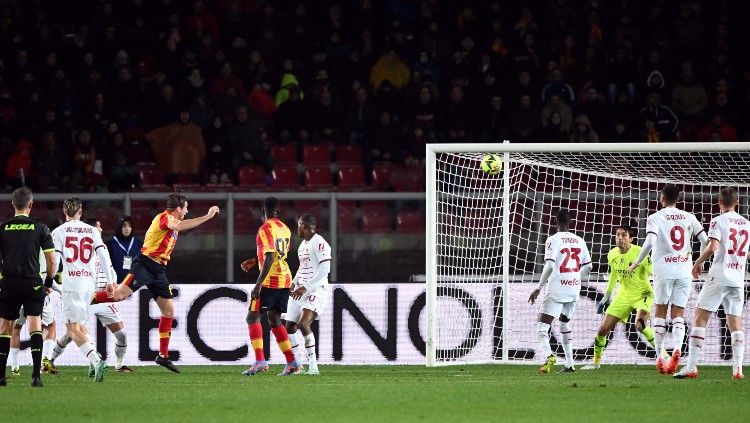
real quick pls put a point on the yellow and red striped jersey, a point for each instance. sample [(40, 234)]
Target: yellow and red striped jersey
[(160, 240), (274, 236)]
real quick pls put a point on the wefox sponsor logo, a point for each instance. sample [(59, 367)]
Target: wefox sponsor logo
[(570, 282), (676, 259), (83, 273)]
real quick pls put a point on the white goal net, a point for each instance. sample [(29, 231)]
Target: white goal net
[(486, 236)]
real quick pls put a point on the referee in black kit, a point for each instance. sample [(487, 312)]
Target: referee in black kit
[(21, 238)]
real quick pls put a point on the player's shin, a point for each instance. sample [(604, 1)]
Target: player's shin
[(542, 331), (49, 344), (697, 337), (121, 346), (567, 341), (678, 332), (296, 348), (13, 357), (256, 340), (738, 351), (59, 346), (312, 359), (89, 351), (648, 334), (660, 329), (36, 341), (165, 332), (4, 349), (282, 339), (600, 342)]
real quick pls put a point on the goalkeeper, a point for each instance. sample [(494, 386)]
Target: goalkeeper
[(635, 292)]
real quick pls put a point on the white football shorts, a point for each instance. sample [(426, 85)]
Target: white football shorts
[(315, 300), (714, 294), (76, 305), (672, 291), (554, 308), (107, 313)]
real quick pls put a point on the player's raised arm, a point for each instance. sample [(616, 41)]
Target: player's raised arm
[(648, 244), (187, 224)]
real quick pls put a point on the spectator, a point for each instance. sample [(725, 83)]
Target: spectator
[(582, 130), (621, 74), (664, 120), (688, 96), (495, 119), (361, 116), (325, 117), (389, 68), (592, 104), (553, 130), (525, 119), (458, 116), (556, 85), (724, 130), (119, 164), (556, 105), (84, 158), (18, 168), (225, 80), (218, 152), (179, 148), (244, 140), (287, 82), (51, 164), (291, 117), (261, 102), (123, 247)]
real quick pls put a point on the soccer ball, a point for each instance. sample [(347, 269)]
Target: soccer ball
[(492, 164)]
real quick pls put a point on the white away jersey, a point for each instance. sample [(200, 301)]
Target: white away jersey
[(77, 244), (312, 254), (733, 233), (672, 251), (569, 253)]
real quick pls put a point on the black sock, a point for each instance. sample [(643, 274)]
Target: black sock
[(4, 350), (36, 343)]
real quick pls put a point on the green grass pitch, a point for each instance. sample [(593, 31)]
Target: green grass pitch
[(475, 393)]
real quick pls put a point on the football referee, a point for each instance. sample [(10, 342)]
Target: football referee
[(21, 238)]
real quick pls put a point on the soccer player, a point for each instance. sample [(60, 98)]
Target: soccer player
[(728, 236), (566, 262), (271, 291), (79, 244), (150, 267), (106, 313), (309, 288), (669, 232), (634, 294)]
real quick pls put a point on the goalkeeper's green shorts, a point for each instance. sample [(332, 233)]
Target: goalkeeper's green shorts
[(621, 308)]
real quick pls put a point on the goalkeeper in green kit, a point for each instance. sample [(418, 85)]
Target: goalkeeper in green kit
[(635, 292)]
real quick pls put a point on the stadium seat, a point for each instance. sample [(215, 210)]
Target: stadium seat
[(376, 222), (285, 177), (318, 177), (107, 217), (316, 155), (376, 207), (152, 176), (347, 217), (410, 221), (348, 155), (381, 176), (284, 154), (252, 177), (211, 226), (352, 178), (409, 179), (245, 221)]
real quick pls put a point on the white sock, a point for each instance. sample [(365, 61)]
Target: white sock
[(121, 346), (312, 360), (47, 347), (88, 350), (678, 332), (13, 357), (738, 350), (296, 349), (542, 333), (697, 337), (567, 341), (660, 328), (59, 346)]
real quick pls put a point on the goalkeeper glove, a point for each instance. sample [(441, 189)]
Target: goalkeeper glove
[(602, 305)]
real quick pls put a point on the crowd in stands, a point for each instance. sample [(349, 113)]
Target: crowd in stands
[(92, 92)]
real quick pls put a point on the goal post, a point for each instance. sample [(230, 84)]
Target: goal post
[(486, 234)]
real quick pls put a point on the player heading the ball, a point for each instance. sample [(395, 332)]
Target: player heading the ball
[(669, 232), (634, 292), (566, 262), (149, 268), (728, 236)]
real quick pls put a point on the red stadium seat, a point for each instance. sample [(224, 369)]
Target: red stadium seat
[(381, 176), (285, 177), (318, 177), (142, 219), (409, 179), (245, 221), (376, 222), (348, 154), (347, 216), (352, 178), (152, 177), (410, 221), (284, 154), (316, 155), (252, 177), (107, 217), (376, 207)]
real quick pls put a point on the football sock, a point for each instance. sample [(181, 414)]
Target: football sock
[(88, 350), (4, 349), (296, 349), (542, 331), (36, 341), (121, 346), (648, 333), (13, 357), (567, 341), (678, 332), (312, 359), (282, 339), (600, 342), (697, 337), (165, 331), (60, 345), (738, 350), (660, 328), (47, 348), (256, 340)]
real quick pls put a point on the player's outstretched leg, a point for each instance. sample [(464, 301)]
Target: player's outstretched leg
[(542, 330)]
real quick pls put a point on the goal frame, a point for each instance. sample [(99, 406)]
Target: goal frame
[(506, 148)]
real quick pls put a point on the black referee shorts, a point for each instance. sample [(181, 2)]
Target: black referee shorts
[(17, 292)]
